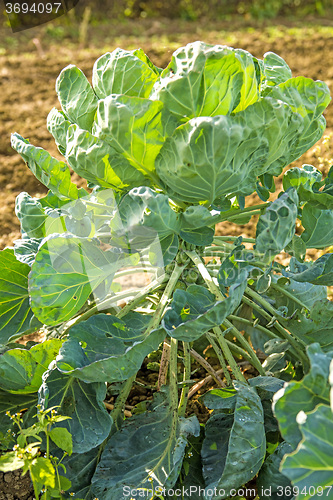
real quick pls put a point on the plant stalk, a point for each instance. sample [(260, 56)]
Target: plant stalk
[(242, 340), (186, 376), (298, 351), (256, 296), (154, 285), (120, 403), (220, 357), (227, 353), (254, 208), (173, 280), (234, 238), (268, 332)]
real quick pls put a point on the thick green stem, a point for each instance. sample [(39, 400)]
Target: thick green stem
[(132, 304), (238, 351), (298, 350), (255, 296), (47, 443), (120, 403), (221, 340), (173, 280), (242, 340), (269, 333), (227, 353), (100, 206), (254, 208), (234, 238), (215, 290), (205, 274), (186, 378), (220, 357)]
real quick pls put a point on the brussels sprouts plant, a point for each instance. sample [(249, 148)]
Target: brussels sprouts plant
[(167, 155)]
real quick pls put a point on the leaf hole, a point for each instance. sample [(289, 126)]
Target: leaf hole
[(272, 216), (283, 212)]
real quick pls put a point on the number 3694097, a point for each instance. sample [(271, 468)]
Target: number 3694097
[(35, 8)]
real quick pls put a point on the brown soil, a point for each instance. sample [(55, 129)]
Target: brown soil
[(15, 487)]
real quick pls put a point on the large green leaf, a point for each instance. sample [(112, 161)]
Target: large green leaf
[(15, 312), (169, 248), (147, 452), (54, 174), (36, 222), (65, 272), (191, 473), (206, 80), (57, 125), (90, 423), (317, 326), (309, 99), (276, 227), (80, 468), (76, 97), (93, 354), (220, 399), (236, 267), (306, 292), (306, 176), (210, 157), (310, 467), (203, 159), (195, 311), (307, 181), (21, 370), (275, 69), (266, 387), (132, 126), (31, 215), (319, 272), (318, 227), (143, 217), (229, 436), (194, 221), (271, 483), (303, 395), (25, 250), (14, 403), (124, 72), (318, 199), (100, 163)]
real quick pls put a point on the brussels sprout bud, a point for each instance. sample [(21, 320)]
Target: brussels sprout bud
[(170, 267), (192, 276), (182, 258), (180, 286)]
